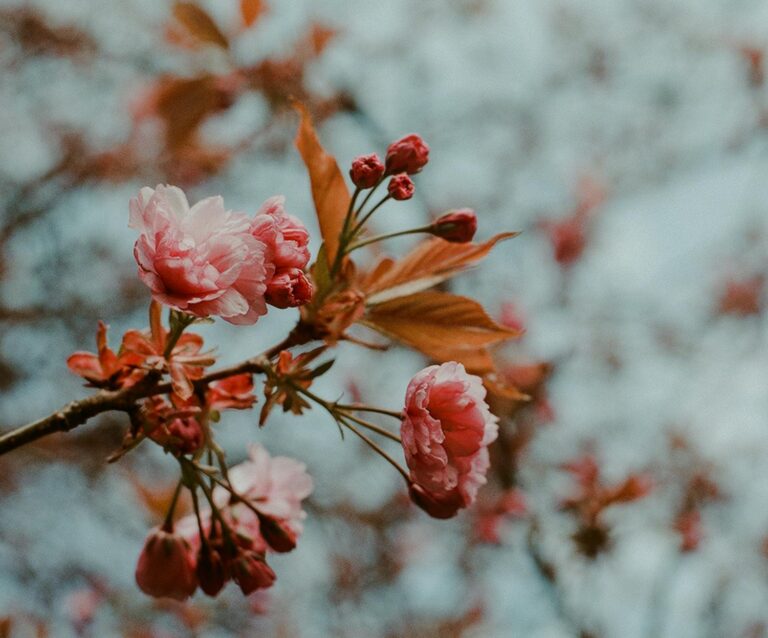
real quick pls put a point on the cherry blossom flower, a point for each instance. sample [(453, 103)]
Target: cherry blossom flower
[(202, 260), (446, 432), (286, 238), (275, 486)]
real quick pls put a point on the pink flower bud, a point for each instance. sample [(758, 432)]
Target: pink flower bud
[(458, 226), (400, 187), (182, 434), (289, 288), (251, 572), (366, 171), (278, 534), (407, 155), (166, 567), (211, 571), (431, 505)]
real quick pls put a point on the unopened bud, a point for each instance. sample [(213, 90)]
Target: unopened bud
[(458, 226), (400, 187)]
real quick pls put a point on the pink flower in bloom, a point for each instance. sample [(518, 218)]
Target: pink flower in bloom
[(275, 487), (446, 432), (458, 226), (202, 260), (400, 187), (166, 567), (289, 288), (407, 155), (286, 238), (366, 171)]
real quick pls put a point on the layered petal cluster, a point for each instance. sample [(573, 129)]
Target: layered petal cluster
[(203, 260), (446, 432), (287, 241), (275, 486), (265, 515)]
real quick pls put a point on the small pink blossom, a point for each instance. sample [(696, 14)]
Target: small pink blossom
[(286, 238), (275, 486), (166, 567), (446, 432), (202, 260)]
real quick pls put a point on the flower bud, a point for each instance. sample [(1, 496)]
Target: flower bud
[(434, 507), (400, 187), (211, 570), (407, 155), (166, 567), (277, 533), (289, 288), (251, 572), (458, 226), (366, 171)]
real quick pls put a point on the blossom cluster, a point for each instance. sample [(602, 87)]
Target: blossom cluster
[(205, 261)]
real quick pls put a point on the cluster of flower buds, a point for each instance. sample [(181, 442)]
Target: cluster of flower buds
[(404, 158), (204, 261), (255, 510)]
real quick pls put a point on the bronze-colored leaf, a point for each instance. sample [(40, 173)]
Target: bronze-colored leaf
[(443, 326), (329, 190), (199, 25), (252, 10), (430, 263), (183, 104)]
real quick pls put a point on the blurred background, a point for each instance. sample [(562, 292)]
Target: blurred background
[(627, 140)]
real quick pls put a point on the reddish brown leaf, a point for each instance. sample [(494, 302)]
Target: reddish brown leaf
[(443, 326), (329, 191), (183, 104), (252, 10), (319, 37), (199, 25), (428, 264)]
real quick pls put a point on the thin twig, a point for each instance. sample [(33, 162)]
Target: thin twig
[(123, 400)]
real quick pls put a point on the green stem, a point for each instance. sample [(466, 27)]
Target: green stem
[(367, 216), (368, 196), (358, 407), (181, 322), (374, 239), (168, 523), (343, 239), (373, 427), (379, 450)]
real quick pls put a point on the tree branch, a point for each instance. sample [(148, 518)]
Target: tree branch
[(123, 400)]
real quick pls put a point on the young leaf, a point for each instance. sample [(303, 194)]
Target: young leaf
[(199, 25), (443, 326), (329, 191), (430, 263), (252, 10)]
